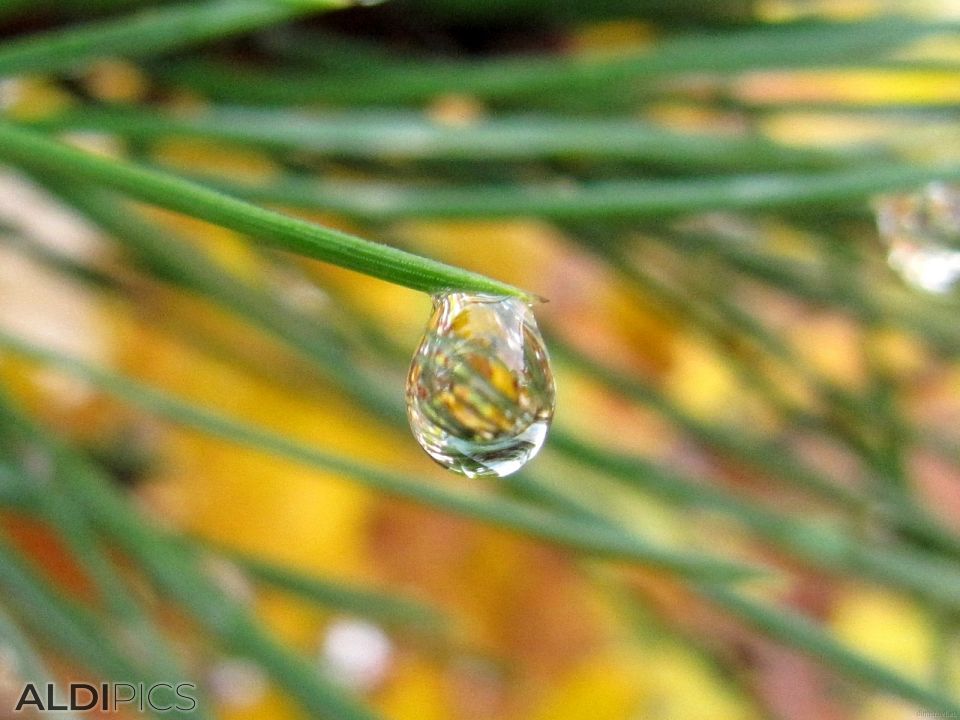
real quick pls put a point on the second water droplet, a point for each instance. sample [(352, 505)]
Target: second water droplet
[(922, 232), (480, 393)]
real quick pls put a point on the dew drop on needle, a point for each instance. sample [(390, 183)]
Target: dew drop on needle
[(480, 392), (922, 233)]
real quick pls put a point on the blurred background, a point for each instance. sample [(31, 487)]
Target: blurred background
[(741, 216)]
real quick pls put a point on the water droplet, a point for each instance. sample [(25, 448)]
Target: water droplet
[(356, 653), (480, 392), (922, 233)]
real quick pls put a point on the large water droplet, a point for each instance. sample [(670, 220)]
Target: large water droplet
[(922, 233), (480, 392)]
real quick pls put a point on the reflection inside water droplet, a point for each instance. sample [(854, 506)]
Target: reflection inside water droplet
[(480, 392), (922, 232)]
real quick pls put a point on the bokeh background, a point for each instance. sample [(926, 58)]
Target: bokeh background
[(741, 217)]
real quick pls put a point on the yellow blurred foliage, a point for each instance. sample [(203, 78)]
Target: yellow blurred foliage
[(851, 87), (682, 686), (232, 250), (832, 345), (701, 383), (790, 10), (610, 686), (612, 37), (206, 156), (511, 246), (417, 690), (31, 98), (665, 682), (886, 628), (116, 81)]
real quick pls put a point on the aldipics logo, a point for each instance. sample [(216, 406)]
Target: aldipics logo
[(108, 697)]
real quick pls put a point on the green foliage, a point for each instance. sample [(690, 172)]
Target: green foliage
[(565, 146)]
